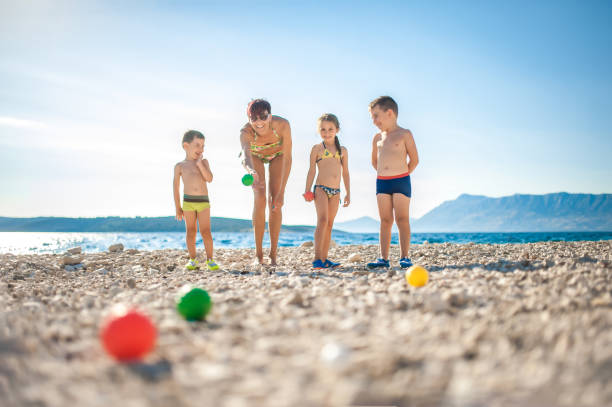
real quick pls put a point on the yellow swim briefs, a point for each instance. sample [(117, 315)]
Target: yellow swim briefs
[(196, 203)]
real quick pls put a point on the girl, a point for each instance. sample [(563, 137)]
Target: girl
[(332, 161)]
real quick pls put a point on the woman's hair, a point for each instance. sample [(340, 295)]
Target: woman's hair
[(257, 107), (329, 117)]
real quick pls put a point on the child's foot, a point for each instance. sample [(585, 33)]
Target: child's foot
[(192, 264), (212, 266), (378, 263), (318, 264), (330, 264), (405, 262)]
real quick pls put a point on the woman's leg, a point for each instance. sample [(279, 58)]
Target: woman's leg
[(259, 208), (275, 183), (332, 210), (322, 221)]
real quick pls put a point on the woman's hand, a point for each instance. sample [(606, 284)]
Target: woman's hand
[(257, 183)]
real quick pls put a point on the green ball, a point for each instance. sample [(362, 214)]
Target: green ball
[(194, 305), (247, 179)]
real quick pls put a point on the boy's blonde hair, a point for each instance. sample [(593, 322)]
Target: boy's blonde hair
[(384, 103)]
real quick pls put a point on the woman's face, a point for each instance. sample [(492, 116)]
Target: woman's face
[(260, 122), (327, 130)]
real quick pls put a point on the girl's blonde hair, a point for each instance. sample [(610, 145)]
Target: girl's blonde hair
[(330, 117)]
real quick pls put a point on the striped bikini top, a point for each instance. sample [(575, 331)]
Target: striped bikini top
[(278, 142)]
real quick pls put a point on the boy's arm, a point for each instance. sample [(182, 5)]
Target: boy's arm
[(375, 151), (204, 168), (312, 170), (412, 151), (346, 177), (175, 187)]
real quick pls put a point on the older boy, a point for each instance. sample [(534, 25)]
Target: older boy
[(195, 172), (390, 150)]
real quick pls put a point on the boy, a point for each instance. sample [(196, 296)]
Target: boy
[(390, 150), (195, 172)]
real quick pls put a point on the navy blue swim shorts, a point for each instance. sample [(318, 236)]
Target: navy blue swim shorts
[(397, 184)]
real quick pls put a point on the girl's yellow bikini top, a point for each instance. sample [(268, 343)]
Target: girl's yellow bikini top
[(328, 154)]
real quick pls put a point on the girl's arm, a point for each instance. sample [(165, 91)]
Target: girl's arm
[(346, 177), (175, 187), (312, 171), (204, 168)]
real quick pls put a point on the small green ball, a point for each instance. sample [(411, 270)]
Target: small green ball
[(247, 179), (195, 305)]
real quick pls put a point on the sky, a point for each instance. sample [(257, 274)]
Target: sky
[(502, 97)]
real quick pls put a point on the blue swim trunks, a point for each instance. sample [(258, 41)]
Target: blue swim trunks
[(397, 184)]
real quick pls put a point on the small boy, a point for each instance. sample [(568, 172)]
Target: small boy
[(390, 150), (195, 172)]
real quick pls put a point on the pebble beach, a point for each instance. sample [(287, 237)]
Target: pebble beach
[(496, 325)]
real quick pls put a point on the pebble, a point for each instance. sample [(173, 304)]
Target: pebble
[(118, 247), (486, 320)]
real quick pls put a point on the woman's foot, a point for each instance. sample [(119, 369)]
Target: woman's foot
[(192, 264), (405, 262), (212, 266), (273, 259)]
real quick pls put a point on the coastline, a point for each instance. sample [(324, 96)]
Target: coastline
[(496, 324)]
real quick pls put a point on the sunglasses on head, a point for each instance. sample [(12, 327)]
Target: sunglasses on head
[(263, 117)]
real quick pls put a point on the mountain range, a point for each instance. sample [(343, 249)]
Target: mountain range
[(468, 213), (517, 213)]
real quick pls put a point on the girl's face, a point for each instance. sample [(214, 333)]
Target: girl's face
[(327, 130)]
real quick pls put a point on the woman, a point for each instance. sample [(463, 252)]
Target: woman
[(266, 139)]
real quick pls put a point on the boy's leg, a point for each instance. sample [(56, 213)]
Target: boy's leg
[(322, 220), (385, 211), (204, 223), (191, 231), (401, 209), (259, 209), (276, 217), (332, 210)]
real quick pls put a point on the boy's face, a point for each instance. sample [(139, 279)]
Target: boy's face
[(194, 149), (383, 119), (327, 130)]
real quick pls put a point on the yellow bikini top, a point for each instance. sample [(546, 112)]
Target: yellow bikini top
[(328, 154)]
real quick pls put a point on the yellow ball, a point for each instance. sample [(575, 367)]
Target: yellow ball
[(417, 276)]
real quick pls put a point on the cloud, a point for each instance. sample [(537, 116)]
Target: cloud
[(21, 123)]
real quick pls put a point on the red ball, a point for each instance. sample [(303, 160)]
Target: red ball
[(128, 336)]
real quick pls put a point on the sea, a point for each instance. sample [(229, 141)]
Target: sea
[(59, 242)]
